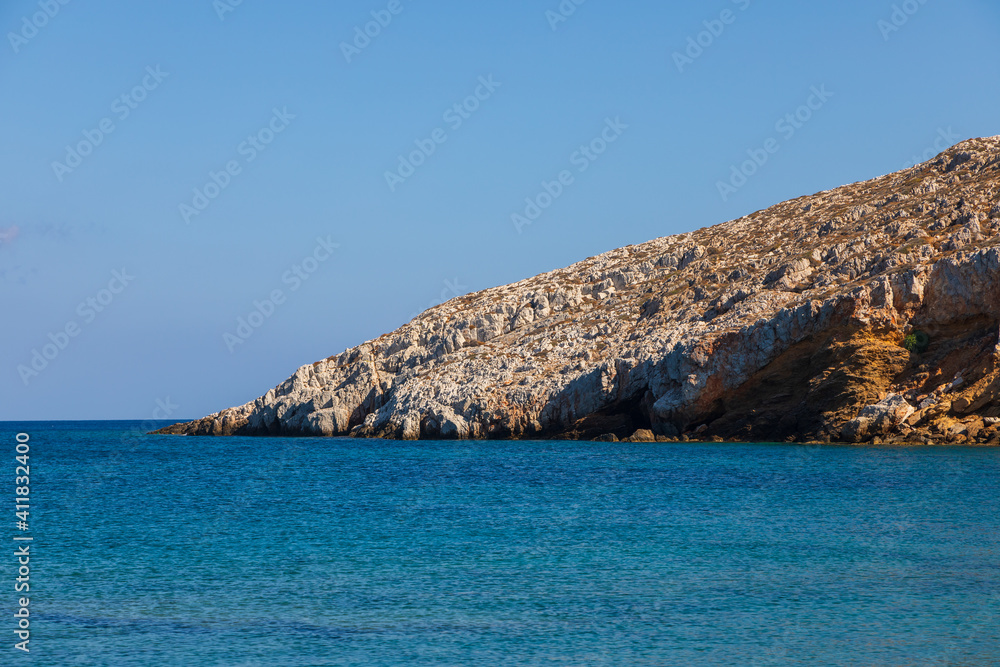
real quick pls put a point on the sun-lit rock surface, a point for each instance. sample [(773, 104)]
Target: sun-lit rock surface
[(787, 324)]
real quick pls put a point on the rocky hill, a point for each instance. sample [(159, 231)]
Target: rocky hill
[(868, 313)]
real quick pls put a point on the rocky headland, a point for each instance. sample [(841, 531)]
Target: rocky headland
[(868, 313)]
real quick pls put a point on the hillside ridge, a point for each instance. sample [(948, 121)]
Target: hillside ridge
[(866, 313)]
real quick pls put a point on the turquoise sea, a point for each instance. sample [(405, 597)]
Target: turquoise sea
[(156, 550)]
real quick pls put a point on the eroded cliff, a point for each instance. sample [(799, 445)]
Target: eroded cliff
[(868, 313)]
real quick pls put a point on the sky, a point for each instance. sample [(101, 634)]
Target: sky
[(201, 196)]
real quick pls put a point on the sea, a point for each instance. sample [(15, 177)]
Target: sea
[(166, 550)]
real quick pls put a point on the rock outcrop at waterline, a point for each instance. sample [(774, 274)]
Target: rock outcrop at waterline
[(868, 313)]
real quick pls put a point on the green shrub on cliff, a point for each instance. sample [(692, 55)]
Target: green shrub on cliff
[(917, 342)]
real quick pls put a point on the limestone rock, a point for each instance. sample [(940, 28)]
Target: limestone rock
[(787, 324), (879, 419)]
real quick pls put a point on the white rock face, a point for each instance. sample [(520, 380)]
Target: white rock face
[(660, 335)]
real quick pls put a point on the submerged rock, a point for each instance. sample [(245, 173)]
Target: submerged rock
[(787, 324)]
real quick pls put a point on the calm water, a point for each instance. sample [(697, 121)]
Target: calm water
[(189, 551)]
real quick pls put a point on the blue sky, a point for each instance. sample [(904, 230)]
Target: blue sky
[(192, 90)]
